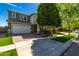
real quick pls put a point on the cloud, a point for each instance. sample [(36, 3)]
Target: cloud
[(13, 5)]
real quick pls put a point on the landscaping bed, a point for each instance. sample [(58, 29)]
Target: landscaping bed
[(9, 53), (6, 41), (64, 38)]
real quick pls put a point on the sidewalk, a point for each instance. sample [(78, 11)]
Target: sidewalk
[(22, 46), (6, 48)]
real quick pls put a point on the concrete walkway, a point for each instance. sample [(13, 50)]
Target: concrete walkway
[(12, 46), (6, 48), (17, 39)]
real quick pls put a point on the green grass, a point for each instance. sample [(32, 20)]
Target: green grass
[(6, 41), (64, 38), (9, 53)]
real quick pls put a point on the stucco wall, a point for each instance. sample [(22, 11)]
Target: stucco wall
[(33, 19)]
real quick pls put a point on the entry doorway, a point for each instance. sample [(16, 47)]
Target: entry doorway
[(33, 28)]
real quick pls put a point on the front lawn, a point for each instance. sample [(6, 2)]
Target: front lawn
[(64, 38), (9, 53), (6, 41)]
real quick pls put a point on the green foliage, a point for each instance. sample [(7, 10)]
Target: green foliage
[(6, 41), (64, 38), (48, 14), (68, 13), (75, 24), (63, 29), (52, 14)]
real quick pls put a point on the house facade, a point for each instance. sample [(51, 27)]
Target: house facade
[(20, 23)]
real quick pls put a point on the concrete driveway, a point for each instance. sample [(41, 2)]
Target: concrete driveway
[(73, 50), (35, 46)]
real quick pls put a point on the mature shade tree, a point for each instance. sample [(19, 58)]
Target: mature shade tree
[(48, 15), (67, 13)]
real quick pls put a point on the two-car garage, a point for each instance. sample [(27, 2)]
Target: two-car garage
[(21, 29)]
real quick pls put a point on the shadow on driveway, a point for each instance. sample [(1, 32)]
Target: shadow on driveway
[(44, 47)]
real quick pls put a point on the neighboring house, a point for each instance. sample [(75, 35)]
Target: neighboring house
[(20, 23), (3, 29)]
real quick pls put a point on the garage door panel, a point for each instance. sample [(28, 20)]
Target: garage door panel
[(21, 29)]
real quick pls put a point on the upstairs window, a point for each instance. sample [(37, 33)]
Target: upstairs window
[(13, 15), (23, 17)]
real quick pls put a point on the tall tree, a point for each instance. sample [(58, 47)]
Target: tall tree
[(67, 12), (48, 15)]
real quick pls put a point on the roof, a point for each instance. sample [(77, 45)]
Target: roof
[(33, 14), (17, 12), (22, 13)]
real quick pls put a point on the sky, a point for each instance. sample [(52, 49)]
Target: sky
[(25, 8)]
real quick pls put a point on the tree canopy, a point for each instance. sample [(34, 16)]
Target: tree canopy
[(68, 12), (48, 14)]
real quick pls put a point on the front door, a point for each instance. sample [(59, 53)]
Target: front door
[(34, 28)]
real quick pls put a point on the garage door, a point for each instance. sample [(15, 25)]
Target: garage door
[(21, 29)]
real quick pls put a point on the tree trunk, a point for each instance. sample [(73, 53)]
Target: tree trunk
[(54, 29), (78, 33), (68, 27), (50, 27), (41, 28)]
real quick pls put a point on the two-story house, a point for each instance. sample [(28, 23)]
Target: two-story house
[(20, 23)]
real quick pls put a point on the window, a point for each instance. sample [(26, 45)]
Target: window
[(13, 15), (23, 17)]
